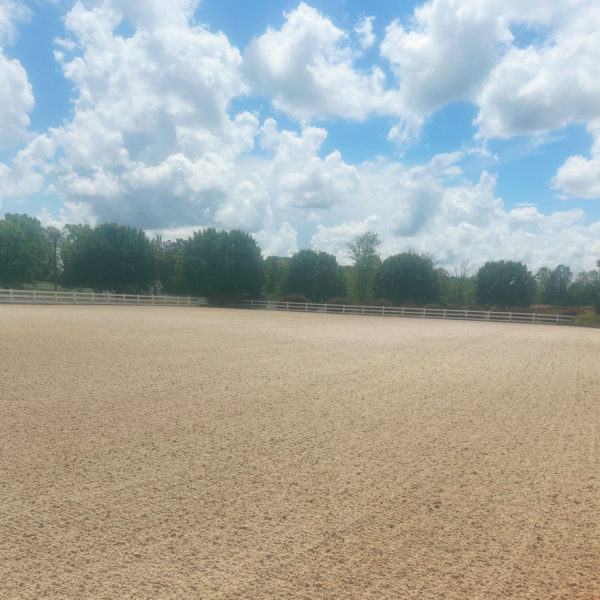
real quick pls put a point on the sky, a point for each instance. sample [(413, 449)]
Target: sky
[(465, 129)]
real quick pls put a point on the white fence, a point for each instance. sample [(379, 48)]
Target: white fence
[(427, 313), (48, 297)]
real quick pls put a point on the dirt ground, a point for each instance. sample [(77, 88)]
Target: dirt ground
[(204, 453)]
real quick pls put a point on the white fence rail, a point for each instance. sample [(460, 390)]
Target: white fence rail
[(400, 311), (48, 297)]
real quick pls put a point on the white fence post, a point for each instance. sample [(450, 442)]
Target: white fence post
[(93, 298), (10, 294), (74, 298), (34, 297)]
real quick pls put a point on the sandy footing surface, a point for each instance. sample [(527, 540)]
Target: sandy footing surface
[(222, 454)]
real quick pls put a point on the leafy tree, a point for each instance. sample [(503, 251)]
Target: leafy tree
[(504, 282), (541, 280), (586, 288), (168, 264), (54, 237), (407, 277), (364, 255), (24, 250), (222, 265), (556, 288), (276, 269), (107, 257), (316, 275)]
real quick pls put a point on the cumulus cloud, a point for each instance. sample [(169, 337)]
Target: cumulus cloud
[(536, 89), (282, 242), (10, 14), (579, 176), (151, 141), (364, 29), (446, 55), (16, 94), (307, 67)]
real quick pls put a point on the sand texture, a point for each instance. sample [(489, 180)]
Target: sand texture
[(222, 454)]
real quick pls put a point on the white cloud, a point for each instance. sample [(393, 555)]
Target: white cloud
[(307, 68), (16, 100), (151, 142), (364, 29), (16, 94), (537, 89), (282, 242), (11, 13), (446, 55), (579, 177)]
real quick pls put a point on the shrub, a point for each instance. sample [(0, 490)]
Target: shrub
[(409, 305), (295, 298), (338, 300), (571, 311), (383, 302), (474, 307), (588, 318), (433, 306), (519, 309)]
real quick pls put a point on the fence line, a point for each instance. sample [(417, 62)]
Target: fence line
[(49, 297), (403, 311)]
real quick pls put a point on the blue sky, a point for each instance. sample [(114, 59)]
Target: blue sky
[(469, 130)]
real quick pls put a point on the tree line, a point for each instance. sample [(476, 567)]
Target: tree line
[(228, 265)]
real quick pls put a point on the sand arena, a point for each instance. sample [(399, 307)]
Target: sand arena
[(220, 454)]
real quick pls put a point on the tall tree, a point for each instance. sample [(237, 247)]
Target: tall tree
[(276, 269), (505, 283), (586, 288), (316, 275), (407, 277), (107, 257), (222, 265), (556, 288), (363, 252), (24, 250), (54, 237)]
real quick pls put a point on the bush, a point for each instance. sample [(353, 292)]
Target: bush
[(409, 305), (295, 298), (433, 306), (474, 307), (519, 309), (338, 300), (382, 302), (588, 318)]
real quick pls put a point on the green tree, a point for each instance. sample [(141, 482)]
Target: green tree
[(276, 269), (505, 283), (363, 252), (586, 288), (24, 250), (556, 287), (316, 275), (541, 280), (168, 264), (107, 257), (54, 237), (407, 277), (222, 265)]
